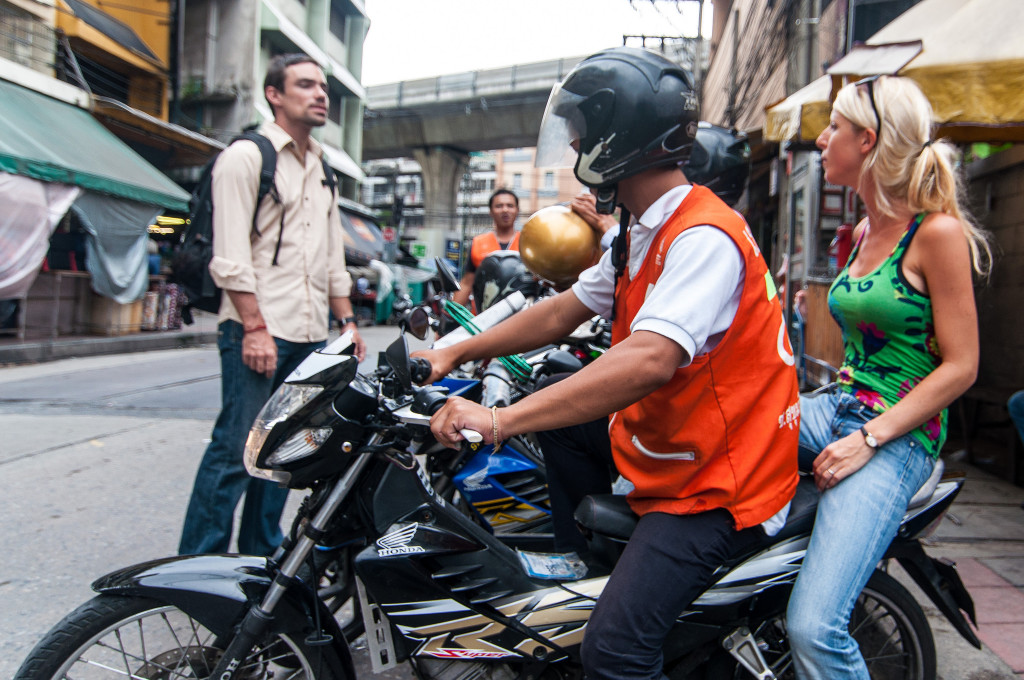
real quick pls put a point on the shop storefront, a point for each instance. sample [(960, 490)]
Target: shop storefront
[(61, 170)]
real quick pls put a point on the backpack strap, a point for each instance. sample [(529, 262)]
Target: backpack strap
[(267, 186), (329, 181), (269, 155)]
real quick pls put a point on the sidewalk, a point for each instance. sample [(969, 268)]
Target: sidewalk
[(13, 351), (983, 533)]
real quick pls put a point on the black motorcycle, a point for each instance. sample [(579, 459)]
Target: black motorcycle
[(438, 590)]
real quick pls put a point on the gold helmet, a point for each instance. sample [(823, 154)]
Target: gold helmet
[(557, 244)]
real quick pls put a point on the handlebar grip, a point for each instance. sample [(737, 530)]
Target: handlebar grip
[(420, 369), (472, 436)]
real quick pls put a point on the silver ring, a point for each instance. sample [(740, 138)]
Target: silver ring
[(830, 472)]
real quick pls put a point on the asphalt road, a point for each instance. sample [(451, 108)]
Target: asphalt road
[(97, 458)]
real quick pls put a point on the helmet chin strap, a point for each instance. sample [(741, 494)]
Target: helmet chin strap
[(620, 249)]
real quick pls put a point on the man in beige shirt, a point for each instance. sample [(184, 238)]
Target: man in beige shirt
[(281, 275)]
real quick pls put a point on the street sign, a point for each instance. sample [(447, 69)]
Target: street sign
[(389, 234), (418, 250)]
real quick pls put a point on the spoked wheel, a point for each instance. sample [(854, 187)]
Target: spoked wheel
[(112, 637), (892, 631), (888, 624)]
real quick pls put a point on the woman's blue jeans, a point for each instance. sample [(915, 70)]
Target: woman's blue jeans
[(856, 521), (221, 479)]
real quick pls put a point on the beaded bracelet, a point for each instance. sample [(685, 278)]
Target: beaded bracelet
[(494, 427)]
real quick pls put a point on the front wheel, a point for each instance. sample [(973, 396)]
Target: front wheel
[(132, 637)]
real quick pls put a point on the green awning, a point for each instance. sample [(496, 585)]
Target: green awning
[(49, 140)]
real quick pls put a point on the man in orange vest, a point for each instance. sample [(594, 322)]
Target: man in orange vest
[(504, 206), (699, 383)]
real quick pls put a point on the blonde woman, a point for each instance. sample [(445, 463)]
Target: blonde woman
[(905, 304)]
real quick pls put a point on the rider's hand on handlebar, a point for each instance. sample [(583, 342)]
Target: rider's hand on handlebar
[(441, 363), (461, 414)]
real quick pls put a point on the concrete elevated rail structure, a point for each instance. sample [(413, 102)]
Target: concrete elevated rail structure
[(439, 121)]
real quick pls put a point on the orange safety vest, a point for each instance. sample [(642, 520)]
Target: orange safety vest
[(485, 244), (722, 433)]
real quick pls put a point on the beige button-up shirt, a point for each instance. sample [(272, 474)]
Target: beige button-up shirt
[(293, 294)]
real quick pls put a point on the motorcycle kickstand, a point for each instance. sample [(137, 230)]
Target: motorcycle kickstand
[(741, 644)]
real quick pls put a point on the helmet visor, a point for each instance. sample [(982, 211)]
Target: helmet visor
[(561, 130)]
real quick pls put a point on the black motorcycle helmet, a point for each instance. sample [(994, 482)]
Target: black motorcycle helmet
[(625, 110), (719, 160), (499, 275)]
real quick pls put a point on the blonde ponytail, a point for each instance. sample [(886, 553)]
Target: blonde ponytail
[(907, 168)]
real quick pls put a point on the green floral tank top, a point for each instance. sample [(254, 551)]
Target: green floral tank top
[(888, 337)]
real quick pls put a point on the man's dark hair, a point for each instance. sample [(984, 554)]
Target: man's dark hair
[(277, 67), (499, 192)]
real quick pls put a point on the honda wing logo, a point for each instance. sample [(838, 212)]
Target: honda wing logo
[(397, 542)]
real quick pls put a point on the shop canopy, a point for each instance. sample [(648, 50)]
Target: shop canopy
[(969, 61), (800, 116), (52, 141)]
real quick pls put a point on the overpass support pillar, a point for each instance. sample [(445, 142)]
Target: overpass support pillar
[(443, 168)]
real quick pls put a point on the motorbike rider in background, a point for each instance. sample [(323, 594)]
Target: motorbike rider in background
[(699, 382)]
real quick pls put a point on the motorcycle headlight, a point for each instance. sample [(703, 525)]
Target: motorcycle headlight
[(285, 401), (301, 444)]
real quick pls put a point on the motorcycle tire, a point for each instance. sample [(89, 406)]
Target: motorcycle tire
[(112, 636), (888, 625)]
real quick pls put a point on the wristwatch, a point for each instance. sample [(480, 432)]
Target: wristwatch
[(869, 438), (344, 321)]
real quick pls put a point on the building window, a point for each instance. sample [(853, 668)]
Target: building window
[(549, 180), (337, 23), (517, 181)]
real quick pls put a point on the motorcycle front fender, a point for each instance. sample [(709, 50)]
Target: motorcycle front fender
[(941, 582), (218, 590)]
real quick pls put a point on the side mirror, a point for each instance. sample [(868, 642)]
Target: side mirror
[(397, 355), (417, 322), (449, 284)]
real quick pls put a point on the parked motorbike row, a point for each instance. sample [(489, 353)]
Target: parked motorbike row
[(443, 559)]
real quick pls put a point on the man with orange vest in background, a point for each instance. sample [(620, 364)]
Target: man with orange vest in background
[(696, 400), (504, 206)]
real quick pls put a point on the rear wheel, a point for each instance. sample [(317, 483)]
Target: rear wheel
[(132, 637), (888, 624)]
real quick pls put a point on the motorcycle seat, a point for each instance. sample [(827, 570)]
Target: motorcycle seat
[(608, 515), (611, 516), (924, 494)]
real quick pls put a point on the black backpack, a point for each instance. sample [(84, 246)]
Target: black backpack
[(190, 266)]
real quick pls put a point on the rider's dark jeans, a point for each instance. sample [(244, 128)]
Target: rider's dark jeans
[(579, 463), (222, 480), (667, 563)]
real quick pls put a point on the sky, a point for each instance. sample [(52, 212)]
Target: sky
[(410, 39)]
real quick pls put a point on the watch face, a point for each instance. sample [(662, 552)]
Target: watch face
[(870, 439)]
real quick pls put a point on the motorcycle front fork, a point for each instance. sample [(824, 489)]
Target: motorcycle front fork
[(259, 619)]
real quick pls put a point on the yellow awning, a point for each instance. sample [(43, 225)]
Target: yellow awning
[(800, 116), (971, 65)]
